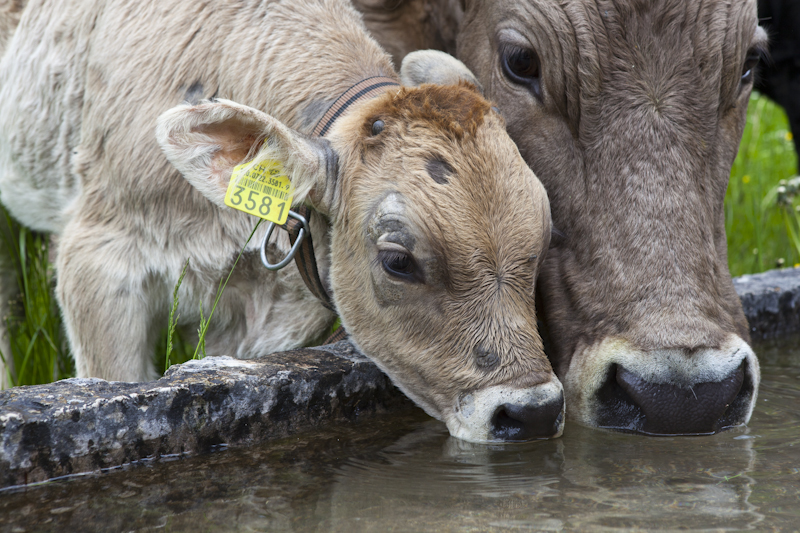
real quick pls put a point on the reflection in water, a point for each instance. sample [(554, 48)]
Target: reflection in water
[(408, 474), (588, 479)]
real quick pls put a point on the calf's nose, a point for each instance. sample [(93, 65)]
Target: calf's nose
[(521, 422), (667, 409)]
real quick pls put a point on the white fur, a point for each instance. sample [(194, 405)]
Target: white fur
[(80, 89)]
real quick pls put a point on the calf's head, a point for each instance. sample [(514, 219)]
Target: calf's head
[(630, 112), (438, 229)]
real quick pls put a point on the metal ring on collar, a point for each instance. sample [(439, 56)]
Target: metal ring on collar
[(303, 231)]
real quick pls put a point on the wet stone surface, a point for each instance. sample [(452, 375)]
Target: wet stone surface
[(82, 425), (771, 302)]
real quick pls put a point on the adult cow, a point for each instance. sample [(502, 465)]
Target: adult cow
[(630, 112)]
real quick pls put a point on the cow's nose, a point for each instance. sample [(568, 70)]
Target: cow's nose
[(512, 422), (631, 402)]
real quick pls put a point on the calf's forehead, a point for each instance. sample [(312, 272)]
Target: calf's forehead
[(477, 178), (438, 162), (476, 215)]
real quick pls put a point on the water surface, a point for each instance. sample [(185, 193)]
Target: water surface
[(406, 474)]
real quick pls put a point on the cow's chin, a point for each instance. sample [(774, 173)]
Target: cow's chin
[(506, 414), (614, 385)]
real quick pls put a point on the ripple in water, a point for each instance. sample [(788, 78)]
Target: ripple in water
[(408, 474)]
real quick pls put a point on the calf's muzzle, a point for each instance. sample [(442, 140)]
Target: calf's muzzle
[(514, 422), (505, 413)]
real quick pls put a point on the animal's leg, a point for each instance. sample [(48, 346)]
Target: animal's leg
[(110, 303)]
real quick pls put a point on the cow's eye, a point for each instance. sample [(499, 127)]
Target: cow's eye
[(398, 264), (748, 70), (521, 66)]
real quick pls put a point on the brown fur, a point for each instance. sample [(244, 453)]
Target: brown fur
[(476, 261), (402, 26), (445, 109)]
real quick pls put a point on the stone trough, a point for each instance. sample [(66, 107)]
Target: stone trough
[(83, 425)]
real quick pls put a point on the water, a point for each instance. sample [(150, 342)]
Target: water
[(407, 474)]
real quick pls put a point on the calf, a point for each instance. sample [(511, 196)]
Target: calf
[(630, 112), (428, 226)]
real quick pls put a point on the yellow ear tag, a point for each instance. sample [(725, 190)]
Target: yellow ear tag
[(262, 191)]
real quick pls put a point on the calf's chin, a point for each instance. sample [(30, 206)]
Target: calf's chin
[(506, 412)]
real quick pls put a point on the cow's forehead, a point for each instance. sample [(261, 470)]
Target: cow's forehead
[(669, 30), (662, 17), (581, 42)]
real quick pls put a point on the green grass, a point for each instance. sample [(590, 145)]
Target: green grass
[(37, 340), (758, 236), (173, 339), (762, 223)]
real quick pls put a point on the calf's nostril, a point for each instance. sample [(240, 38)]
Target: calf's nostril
[(513, 422)]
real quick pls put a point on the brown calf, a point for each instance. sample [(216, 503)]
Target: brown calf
[(429, 226)]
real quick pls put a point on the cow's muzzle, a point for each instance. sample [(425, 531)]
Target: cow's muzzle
[(665, 392)]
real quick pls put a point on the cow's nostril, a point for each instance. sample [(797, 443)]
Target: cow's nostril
[(515, 423), (616, 409), (629, 402)]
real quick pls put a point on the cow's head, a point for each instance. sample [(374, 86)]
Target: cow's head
[(630, 112), (438, 230), (403, 26)]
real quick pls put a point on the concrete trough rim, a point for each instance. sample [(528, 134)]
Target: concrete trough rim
[(78, 425)]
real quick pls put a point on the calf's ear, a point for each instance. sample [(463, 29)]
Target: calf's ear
[(206, 141), (433, 66)]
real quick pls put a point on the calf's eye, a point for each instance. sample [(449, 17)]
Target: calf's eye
[(377, 127), (398, 264), (521, 66)]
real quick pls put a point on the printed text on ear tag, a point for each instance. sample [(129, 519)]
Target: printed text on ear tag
[(262, 191)]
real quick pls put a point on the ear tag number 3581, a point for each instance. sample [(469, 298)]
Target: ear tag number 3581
[(262, 191)]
